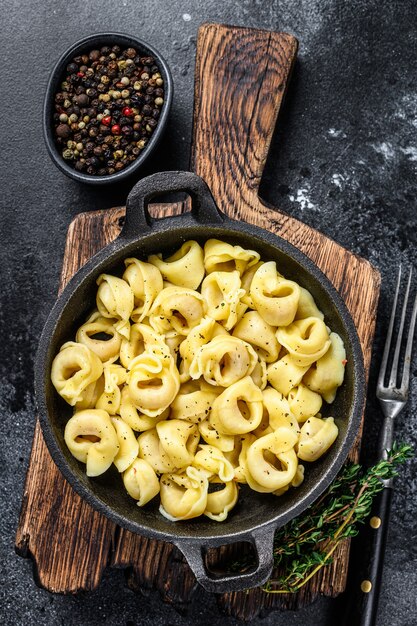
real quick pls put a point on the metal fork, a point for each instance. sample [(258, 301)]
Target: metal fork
[(363, 601), (392, 397)]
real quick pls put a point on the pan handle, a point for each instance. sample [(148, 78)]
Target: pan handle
[(138, 220), (263, 542)]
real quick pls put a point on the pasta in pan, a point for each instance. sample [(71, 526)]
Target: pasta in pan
[(198, 373)]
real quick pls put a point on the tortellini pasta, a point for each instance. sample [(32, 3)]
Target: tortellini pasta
[(199, 372)]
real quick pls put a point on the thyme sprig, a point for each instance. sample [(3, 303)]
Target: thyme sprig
[(306, 544)]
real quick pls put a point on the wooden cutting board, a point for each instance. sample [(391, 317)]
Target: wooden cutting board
[(240, 80)]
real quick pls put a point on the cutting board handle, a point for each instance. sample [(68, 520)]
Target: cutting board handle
[(240, 80)]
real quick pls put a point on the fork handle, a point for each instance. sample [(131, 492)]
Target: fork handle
[(367, 563)]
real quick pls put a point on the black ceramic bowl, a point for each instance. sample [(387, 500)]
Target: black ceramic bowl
[(85, 45), (256, 516)]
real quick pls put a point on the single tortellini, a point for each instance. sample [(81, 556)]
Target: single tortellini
[(179, 440), (223, 361), (128, 444), (275, 298), (299, 476), (141, 481), (184, 496), (220, 256), (253, 329), (151, 450), (74, 368), (220, 502), (196, 338), (136, 420), (213, 437), (100, 336), (114, 377), (316, 437), (237, 456), (259, 375), (222, 292), (278, 411), (211, 459), (91, 438), (115, 299), (153, 382), (327, 374), (142, 338), (90, 395), (184, 268), (174, 341), (271, 462), (285, 374), (303, 402), (192, 403), (246, 282), (307, 306), (178, 310), (306, 340), (238, 410), (145, 280)]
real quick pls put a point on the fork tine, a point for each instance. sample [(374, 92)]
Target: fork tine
[(394, 368), (408, 349), (383, 368)]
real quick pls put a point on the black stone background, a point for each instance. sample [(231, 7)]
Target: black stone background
[(343, 160)]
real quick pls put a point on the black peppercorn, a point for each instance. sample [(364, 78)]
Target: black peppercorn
[(72, 68), (127, 130), (82, 100), (94, 55), (63, 131)]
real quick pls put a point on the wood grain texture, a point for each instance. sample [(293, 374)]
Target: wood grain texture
[(230, 145)]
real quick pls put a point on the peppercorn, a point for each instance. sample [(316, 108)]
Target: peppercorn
[(115, 129), (127, 130), (72, 68), (63, 131), (94, 55), (119, 166)]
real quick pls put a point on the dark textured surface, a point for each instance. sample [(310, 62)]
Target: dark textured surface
[(343, 159)]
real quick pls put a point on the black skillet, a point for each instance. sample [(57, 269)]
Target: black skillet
[(256, 515)]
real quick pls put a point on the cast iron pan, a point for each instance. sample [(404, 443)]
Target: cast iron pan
[(256, 516)]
